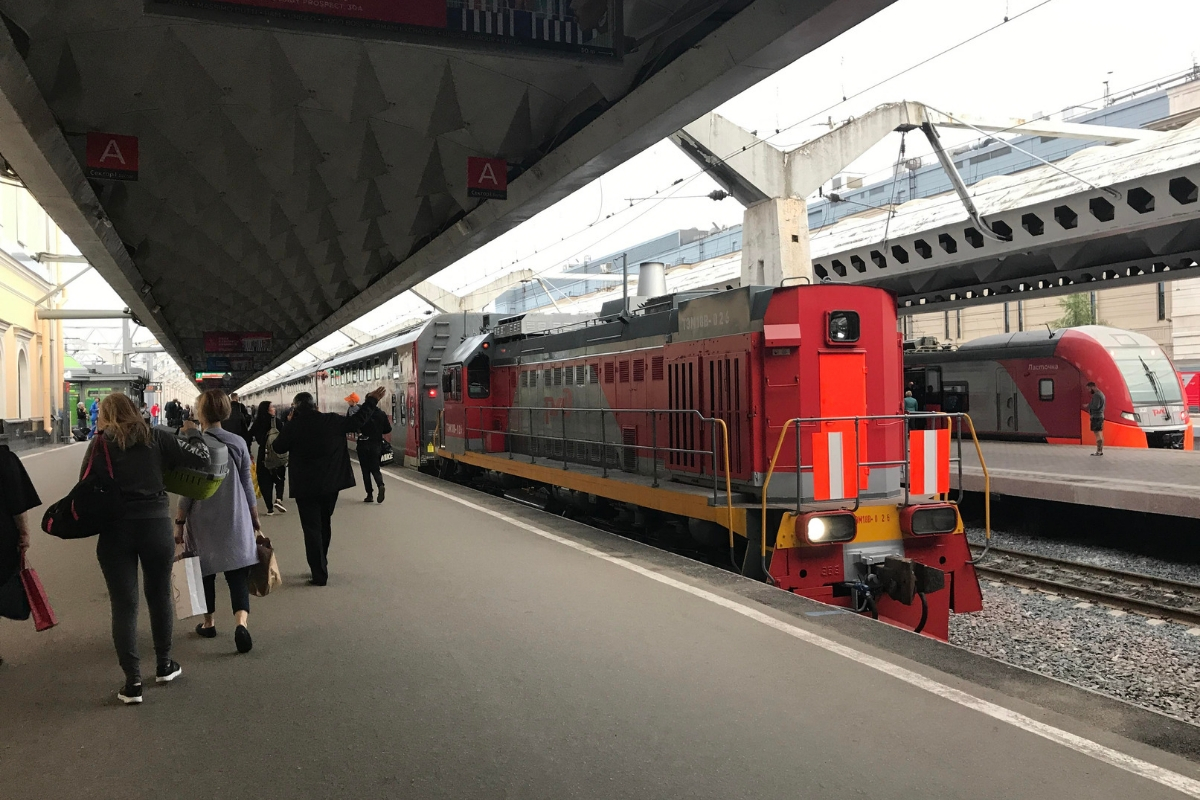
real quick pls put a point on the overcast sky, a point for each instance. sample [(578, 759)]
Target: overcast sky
[(1055, 56)]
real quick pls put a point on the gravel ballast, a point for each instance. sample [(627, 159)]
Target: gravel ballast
[(1151, 663)]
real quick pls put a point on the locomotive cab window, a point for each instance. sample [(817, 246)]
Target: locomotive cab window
[(1046, 389), (479, 374), (956, 398), (843, 327)]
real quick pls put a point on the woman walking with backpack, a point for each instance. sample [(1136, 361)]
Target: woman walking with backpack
[(271, 466), (223, 527), (139, 455)]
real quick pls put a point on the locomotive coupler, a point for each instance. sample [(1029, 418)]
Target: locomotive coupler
[(901, 579)]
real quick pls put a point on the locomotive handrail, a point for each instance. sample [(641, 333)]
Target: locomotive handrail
[(859, 464), (654, 447)]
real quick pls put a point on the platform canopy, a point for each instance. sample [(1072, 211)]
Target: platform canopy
[(295, 170)]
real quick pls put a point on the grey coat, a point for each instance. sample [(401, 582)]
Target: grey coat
[(221, 526)]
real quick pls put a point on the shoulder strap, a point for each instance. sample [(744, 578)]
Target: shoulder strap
[(92, 455), (107, 455)]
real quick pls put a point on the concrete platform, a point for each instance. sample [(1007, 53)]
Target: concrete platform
[(1154, 481), (470, 647)]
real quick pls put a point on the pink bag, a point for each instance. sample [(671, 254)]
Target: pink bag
[(39, 603)]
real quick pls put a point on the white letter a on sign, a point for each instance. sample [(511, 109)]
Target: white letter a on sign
[(488, 174), (111, 150)]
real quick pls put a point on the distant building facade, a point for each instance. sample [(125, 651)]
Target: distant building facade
[(31, 350)]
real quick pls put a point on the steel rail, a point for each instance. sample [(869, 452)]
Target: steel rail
[(1149, 607)]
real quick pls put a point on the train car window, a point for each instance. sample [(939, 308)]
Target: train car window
[(843, 327), (1046, 389), (378, 372), (447, 381), (956, 398), (479, 373)]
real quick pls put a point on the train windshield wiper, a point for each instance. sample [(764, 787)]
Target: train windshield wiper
[(1158, 392)]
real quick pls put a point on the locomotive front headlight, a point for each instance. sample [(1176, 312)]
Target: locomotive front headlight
[(830, 528), (924, 520)]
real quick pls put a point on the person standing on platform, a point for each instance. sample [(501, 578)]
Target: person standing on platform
[(223, 527), (93, 417), (239, 419), (910, 403), (319, 468), (370, 450), (81, 414), (1095, 409), (17, 496), (174, 414), (154, 413), (270, 466), (352, 404), (140, 455)]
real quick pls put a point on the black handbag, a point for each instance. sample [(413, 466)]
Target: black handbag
[(92, 505), (386, 454)]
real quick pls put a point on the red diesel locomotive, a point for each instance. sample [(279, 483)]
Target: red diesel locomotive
[(757, 412)]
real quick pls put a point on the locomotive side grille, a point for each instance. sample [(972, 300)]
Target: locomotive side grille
[(608, 372), (581, 372), (546, 377), (623, 371), (639, 370), (681, 428), (525, 379), (593, 375), (629, 454), (656, 368), (569, 376), (558, 376)]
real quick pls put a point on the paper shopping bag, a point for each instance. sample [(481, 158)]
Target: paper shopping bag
[(39, 603), (188, 586)]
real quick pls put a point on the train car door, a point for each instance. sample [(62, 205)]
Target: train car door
[(1006, 402)]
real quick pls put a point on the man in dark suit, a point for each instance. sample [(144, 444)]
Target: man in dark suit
[(319, 468)]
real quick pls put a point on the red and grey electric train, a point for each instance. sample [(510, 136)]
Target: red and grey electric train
[(1032, 385), (773, 411)]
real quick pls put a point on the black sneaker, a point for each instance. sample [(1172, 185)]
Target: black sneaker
[(168, 672), (368, 499), (207, 633), (131, 694), (241, 638), (381, 492)]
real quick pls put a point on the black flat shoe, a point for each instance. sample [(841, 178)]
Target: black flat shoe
[(207, 633), (381, 494), (316, 583), (368, 499), (241, 638)]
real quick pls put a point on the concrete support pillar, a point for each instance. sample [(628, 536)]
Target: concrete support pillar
[(775, 242)]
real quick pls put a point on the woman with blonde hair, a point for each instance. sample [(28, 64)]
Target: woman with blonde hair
[(223, 527), (139, 455)]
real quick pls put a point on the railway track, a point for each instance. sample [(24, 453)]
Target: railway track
[(1144, 594)]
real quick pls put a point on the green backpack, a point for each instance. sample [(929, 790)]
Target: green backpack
[(271, 459)]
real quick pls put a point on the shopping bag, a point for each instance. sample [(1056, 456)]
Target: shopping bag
[(39, 603), (188, 587), (265, 575)]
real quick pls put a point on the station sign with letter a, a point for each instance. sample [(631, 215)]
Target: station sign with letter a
[(487, 177), (111, 156)]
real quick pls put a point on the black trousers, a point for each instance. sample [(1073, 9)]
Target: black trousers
[(119, 550), (316, 517), (368, 462), (270, 483), (239, 590)]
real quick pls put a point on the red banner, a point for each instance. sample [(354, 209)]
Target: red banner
[(237, 342), (111, 156), (427, 13)]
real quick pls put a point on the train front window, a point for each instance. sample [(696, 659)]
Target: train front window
[(479, 377), (1149, 375)]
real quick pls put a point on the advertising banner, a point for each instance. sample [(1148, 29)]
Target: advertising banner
[(585, 27), (237, 342)]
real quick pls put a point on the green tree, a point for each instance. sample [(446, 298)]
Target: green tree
[(1077, 310)]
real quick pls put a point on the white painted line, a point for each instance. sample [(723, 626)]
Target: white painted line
[(47, 452), (1107, 755)]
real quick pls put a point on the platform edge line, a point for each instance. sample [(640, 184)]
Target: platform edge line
[(1144, 769)]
